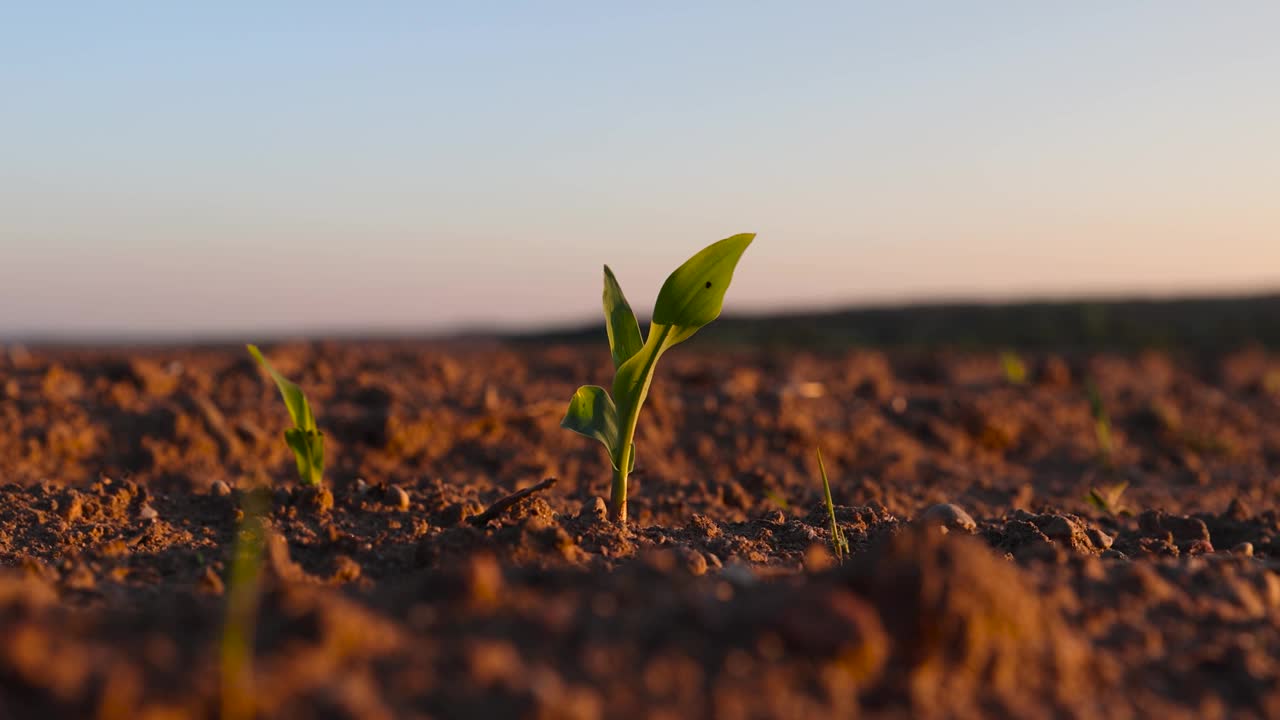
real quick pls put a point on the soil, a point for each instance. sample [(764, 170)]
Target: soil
[(980, 582)]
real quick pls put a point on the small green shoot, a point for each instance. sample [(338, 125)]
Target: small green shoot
[(690, 298), (1015, 371), (1101, 423), (778, 499), (1108, 499), (304, 438), (839, 543), (243, 594)]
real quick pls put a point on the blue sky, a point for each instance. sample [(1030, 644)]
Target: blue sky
[(309, 166)]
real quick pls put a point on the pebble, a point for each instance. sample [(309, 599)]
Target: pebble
[(1244, 548), (399, 498), (1058, 527), (949, 516), (594, 510), (739, 574), (148, 513), (362, 487), (1099, 539), (694, 562), (220, 488)]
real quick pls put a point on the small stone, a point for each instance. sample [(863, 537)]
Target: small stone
[(1058, 527), (219, 488), (594, 510), (1099, 539), (148, 513), (398, 497), (694, 562), (949, 516), (1244, 548), (362, 487)]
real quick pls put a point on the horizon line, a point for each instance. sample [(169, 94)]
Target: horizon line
[(482, 331)]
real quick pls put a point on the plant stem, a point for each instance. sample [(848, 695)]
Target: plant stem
[(618, 496)]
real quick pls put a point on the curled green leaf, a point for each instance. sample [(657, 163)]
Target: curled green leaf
[(592, 413), (619, 321), (295, 402), (304, 438)]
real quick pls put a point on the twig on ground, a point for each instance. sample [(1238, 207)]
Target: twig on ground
[(506, 503)]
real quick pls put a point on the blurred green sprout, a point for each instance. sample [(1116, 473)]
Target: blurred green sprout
[(304, 438), (1101, 423), (839, 543), (691, 297), (1109, 499), (1015, 371)]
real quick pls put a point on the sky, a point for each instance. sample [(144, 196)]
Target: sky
[(192, 169)]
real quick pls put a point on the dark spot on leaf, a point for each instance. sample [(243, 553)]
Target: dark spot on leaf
[(708, 284)]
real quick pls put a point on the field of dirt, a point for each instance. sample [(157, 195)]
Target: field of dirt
[(980, 583)]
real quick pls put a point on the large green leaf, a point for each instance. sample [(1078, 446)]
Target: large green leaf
[(620, 321), (694, 294), (294, 400), (592, 413)]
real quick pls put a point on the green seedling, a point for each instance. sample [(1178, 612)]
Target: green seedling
[(777, 499), (1108, 499), (244, 582), (839, 543), (1015, 371), (1101, 423), (690, 298), (304, 438)]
